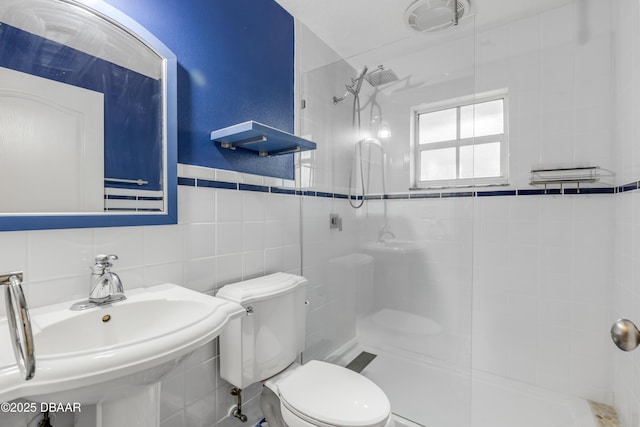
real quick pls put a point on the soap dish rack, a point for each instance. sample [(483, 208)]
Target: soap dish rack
[(565, 176)]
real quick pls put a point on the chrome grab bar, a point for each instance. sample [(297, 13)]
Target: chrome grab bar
[(19, 323)]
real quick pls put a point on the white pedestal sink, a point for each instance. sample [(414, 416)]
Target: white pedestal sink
[(114, 356)]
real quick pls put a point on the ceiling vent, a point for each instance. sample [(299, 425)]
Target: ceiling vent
[(426, 16)]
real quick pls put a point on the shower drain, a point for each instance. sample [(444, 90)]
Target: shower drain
[(361, 361)]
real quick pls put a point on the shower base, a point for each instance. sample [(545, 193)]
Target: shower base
[(426, 394)]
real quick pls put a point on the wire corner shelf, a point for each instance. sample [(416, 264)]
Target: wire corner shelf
[(562, 177)]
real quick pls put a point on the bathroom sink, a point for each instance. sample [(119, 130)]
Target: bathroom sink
[(98, 354)]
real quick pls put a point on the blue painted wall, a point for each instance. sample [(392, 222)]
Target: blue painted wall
[(235, 60)]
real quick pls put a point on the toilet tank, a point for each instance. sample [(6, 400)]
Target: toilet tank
[(271, 336)]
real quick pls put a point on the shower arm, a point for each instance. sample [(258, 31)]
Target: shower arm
[(343, 97), (351, 90)]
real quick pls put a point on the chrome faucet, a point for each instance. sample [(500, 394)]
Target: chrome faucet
[(383, 232), (105, 287)]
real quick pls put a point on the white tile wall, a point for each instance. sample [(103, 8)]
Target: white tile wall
[(556, 66), (539, 317), (222, 236)]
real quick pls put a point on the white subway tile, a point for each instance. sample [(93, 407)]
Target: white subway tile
[(253, 205), (163, 244), (125, 242), (252, 264), (192, 171), (56, 290), (273, 260), (274, 234), (196, 204), (228, 269), (200, 240), (59, 253), (253, 235), (247, 178), (13, 252), (229, 206), (227, 176), (228, 238), (169, 272), (200, 274)]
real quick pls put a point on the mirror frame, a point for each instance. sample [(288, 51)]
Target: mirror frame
[(45, 221)]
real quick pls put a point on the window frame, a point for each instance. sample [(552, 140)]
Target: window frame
[(458, 103)]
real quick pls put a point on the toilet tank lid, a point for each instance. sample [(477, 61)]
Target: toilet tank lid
[(260, 288)]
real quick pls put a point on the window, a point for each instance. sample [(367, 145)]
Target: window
[(461, 144)]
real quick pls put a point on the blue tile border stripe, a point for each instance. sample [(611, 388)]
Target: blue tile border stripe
[(628, 187), (193, 182), (424, 196), (190, 182), (216, 184), (496, 193), (531, 192), (252, 187), (278, 190), (458, 194)]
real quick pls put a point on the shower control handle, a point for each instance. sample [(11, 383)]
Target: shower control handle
[(625, 335)]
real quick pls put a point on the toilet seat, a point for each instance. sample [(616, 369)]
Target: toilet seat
[(324, 394)]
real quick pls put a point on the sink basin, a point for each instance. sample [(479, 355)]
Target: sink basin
[(103, 353)]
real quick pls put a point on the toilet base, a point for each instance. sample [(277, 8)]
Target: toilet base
[(270, 406)]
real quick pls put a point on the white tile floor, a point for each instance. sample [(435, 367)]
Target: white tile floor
[(434, 396)]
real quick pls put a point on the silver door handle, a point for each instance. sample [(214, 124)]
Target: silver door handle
[(625, 334), (19, 323)]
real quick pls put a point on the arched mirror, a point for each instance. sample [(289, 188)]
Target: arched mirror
[(87, 118)]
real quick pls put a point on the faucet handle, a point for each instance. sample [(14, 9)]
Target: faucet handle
[(105, 260)]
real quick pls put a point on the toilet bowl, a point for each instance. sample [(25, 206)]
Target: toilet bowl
[(326, 395), (263, 347)]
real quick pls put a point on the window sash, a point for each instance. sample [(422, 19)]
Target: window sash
[(500, 138)]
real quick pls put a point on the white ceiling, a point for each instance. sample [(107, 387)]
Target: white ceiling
[(352, 27)]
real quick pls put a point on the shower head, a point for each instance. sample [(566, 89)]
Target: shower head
[(377, 77), (380, 76)]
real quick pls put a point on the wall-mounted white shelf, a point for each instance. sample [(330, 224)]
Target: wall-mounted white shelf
[(262, 139)]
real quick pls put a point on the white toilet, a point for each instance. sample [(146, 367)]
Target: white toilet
[(263, 347)]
